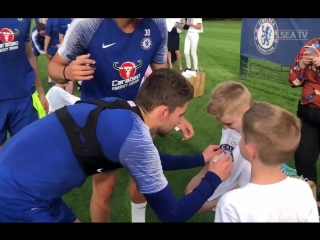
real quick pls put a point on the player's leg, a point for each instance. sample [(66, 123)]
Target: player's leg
[(178, 54), (187, 46), (50, 53), (306, 155), (103, 186), (35, 51), (194, 40), (4, 110), (69, 87), (22, 115), (138, 203), (169, 59)]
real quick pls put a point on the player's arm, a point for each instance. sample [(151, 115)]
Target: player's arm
[(172, 163), (74, 44), (296, 76), (160, 57), (32, 60), (197, 23), (47, 33), (140, 157), (224, 213)]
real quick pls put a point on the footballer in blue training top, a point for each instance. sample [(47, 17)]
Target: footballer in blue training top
[(121, 59), (18, 77), (121, 50), (51, 37), (64, 25), (34, 179), (38, 37)]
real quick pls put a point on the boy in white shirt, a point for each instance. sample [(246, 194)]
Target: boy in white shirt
[(58, 98), (270, 135), (228, 102)]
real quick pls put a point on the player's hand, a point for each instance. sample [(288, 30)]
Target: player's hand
[(79, 70), (186, 129), (223, 167), (44, 102), (210, 152)]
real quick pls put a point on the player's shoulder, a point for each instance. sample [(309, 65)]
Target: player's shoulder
[(86, 23), (160, 23)]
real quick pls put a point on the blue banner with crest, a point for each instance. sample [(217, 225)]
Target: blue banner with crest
[(277, 40)]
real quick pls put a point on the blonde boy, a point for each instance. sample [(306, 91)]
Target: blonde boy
[(270, 135), (228, 102)]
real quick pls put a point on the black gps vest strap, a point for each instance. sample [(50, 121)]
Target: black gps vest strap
[(83, 140)]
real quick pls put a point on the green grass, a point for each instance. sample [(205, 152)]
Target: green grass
[(218, 54)]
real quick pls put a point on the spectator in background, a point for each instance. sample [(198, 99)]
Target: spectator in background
[(174, 40), (51, 42), (19, 77), (40, 20), (38, 37), (64, 24), (305, 73), (191, 42)]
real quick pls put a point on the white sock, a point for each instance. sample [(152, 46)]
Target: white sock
[(138, 212)]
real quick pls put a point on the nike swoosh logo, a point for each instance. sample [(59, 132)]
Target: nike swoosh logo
[(100, 170), (109, 45)]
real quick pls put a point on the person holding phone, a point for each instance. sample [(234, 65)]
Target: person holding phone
[(120, 50), (191, 42), (174, 41), (305, 73)]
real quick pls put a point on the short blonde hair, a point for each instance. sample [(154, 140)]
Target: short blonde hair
[(274, 131), (227, 98)]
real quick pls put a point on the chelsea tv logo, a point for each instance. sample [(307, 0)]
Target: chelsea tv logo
[(266, 35)]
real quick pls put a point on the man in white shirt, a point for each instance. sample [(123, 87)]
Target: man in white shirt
[(269, 137), (191, 42)]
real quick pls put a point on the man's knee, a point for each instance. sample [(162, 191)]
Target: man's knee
[(134, 194), (186, 54), (132, 186), (194, 52), (103, 186)]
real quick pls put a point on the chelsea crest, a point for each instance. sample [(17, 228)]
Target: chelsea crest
[(146, 43), (266, 35)]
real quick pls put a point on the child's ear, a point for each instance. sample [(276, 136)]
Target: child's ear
[(251, 151)]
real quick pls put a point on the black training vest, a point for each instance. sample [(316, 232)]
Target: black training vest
[(83, 140)]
